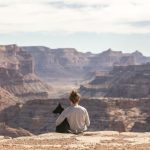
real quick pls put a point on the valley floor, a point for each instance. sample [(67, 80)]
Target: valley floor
[(103, 140), (62, 89)]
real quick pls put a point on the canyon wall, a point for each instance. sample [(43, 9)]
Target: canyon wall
[(123, 81), (105, 114), (70, 63), (58, 63), (17, 74), (12, 56), (7, 99)]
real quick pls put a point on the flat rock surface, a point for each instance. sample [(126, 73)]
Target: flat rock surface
[(102, 140)]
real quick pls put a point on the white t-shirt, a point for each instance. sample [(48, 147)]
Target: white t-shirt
[(77, 117)]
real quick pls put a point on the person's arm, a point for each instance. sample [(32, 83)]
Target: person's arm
[(61, 118), (87, 119)]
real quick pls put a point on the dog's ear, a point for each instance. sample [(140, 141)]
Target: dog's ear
[(59, 105), (59, 109)]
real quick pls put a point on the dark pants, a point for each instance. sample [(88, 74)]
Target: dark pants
[(64, 127)]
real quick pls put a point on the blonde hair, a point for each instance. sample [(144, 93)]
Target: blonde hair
[(74, 97)]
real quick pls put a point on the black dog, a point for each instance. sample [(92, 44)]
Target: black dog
[(64, 127)]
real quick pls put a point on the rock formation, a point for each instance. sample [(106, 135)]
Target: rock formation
[(116, 114), (69, 63), (17, 74), (13, 132), (12, 56), (104, 140), (123, 81), (18, 80), (26, 87), (59, 63), (7, 99)]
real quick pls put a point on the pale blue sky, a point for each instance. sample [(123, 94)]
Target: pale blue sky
[(87, 25), (83, 41)]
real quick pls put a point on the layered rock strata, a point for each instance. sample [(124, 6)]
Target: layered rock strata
[(123, 81), (69, 63), (105, 114), (17, 74)]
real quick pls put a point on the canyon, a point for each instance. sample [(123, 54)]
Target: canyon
[(114, 87), (17, 74), (123, 81), (117, 114), (74, 69), (68, 63), (33, 72)]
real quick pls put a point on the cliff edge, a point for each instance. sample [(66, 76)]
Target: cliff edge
[(105, 140)]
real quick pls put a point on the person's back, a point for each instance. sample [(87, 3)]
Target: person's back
[(76, 115)]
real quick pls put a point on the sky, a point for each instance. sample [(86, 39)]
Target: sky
[(87, 25)]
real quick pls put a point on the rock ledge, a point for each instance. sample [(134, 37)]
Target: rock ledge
[(101, 140)]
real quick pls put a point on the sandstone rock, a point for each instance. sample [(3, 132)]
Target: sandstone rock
[(17, 74), (15, 58), (122, 81), (58, 63), (88, 140), (105, 114), (7, 99), (68, 62), (141, 127), (13, 132), (26, 87)]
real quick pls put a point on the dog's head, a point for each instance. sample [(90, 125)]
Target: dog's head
[(58, 110)]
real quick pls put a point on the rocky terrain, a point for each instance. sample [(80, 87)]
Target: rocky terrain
[(21, 67), (105, 140), (17, 74), (116, 114), (26, 110), (12, 56), (7, 99), (69, 67), (25, 87), (68, 63), (123, 81), (59, 63)]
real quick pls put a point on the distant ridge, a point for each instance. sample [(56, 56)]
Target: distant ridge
[(70, 63)]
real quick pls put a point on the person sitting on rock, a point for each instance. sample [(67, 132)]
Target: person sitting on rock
[(76, 115)]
